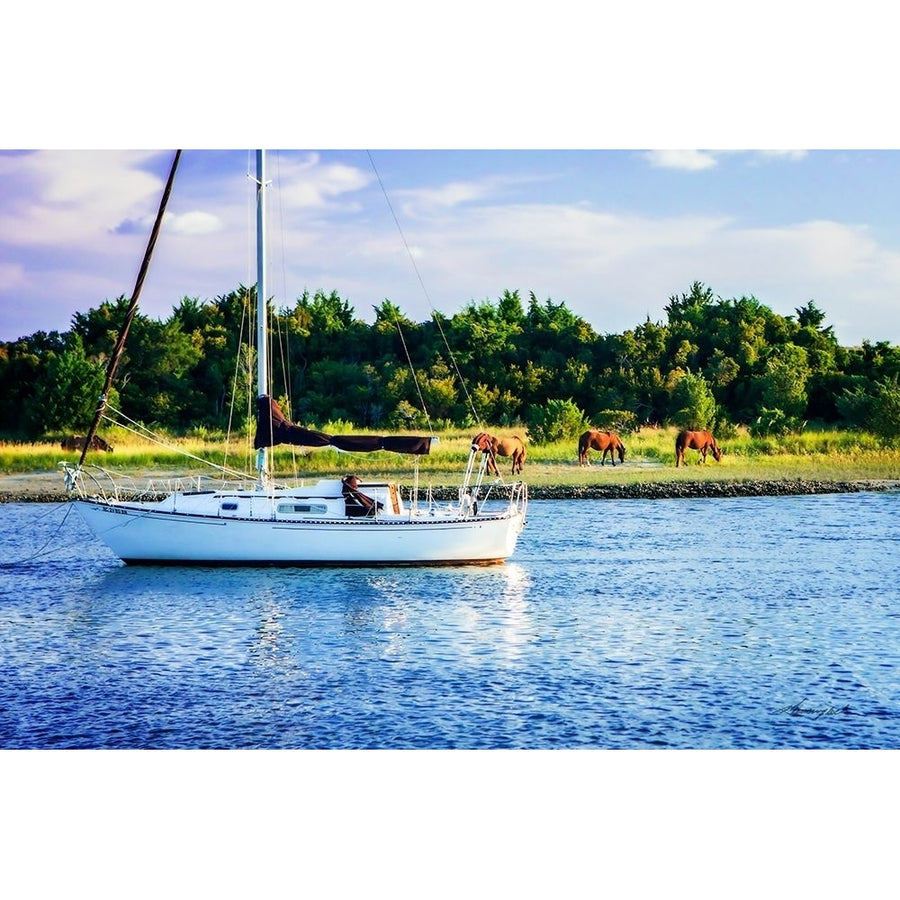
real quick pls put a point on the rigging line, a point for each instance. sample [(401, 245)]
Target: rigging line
[(436, 317), (245, 303), (51, 539), (248, 313), (413, 373), (119, 348), (284, 334), (434, 314), (144, 432)]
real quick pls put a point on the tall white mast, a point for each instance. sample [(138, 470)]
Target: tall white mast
[(262, 341)]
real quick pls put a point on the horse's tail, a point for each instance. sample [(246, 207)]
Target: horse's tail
[(680, 445)]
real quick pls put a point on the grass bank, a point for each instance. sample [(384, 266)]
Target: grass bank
[(823, 455)]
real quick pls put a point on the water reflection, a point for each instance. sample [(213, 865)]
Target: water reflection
[(267, 649)]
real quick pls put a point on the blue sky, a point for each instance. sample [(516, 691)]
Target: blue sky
[(613, 233)]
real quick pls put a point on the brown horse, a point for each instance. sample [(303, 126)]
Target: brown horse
[(76, 442), (493, 447), (696, 440), (607, 441)]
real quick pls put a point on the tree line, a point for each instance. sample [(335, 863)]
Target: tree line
[(713, 363)]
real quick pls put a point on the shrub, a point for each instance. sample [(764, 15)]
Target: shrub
[(622, 420), (775, 422), (876, 410), (559, 420)]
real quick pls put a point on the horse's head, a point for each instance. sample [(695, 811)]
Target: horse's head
[(482, 441), (716, 451), (621, 451)]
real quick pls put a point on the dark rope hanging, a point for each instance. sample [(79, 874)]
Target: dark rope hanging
[(132, 309)]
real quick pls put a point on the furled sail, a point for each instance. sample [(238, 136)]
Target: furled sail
[(273, 428)]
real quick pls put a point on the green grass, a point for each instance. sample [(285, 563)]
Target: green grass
[(827, 455)]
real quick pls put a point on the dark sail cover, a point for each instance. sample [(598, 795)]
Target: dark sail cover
[(273, 428)]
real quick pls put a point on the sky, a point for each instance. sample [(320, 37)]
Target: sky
[(612, 233)]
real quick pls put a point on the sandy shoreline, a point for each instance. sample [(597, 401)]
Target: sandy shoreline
[(48, 487)]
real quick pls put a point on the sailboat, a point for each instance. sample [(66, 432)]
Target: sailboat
[(336, 521)]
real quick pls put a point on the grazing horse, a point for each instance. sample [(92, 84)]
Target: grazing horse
[(607, 441), (493, 447), (696, 440), (76, 442)]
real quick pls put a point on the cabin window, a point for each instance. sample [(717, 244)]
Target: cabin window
[(306, 509), (229, 505)]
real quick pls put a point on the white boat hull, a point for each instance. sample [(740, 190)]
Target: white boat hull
[(148, 534)]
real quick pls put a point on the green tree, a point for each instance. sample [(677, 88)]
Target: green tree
[(874, 407), (154, 375), (693, 403), (212, 375), (21, 365), (783, 383), (67, 391), (359, 400), (810, 316)]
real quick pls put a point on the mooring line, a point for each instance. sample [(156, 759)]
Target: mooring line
[(51, 539)]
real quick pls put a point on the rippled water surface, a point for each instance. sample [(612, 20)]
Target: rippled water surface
[(745, 623)]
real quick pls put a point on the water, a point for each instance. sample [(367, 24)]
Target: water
[(733, 623)]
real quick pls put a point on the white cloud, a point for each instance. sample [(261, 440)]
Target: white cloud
[(789, 154), (697, 160), (12, 276), (691, 160), (615, 270), (455, 193), (195, 222), (65, 196), (310, 183)]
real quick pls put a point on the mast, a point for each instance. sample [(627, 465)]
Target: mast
[(119, 348), (262, 340)]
